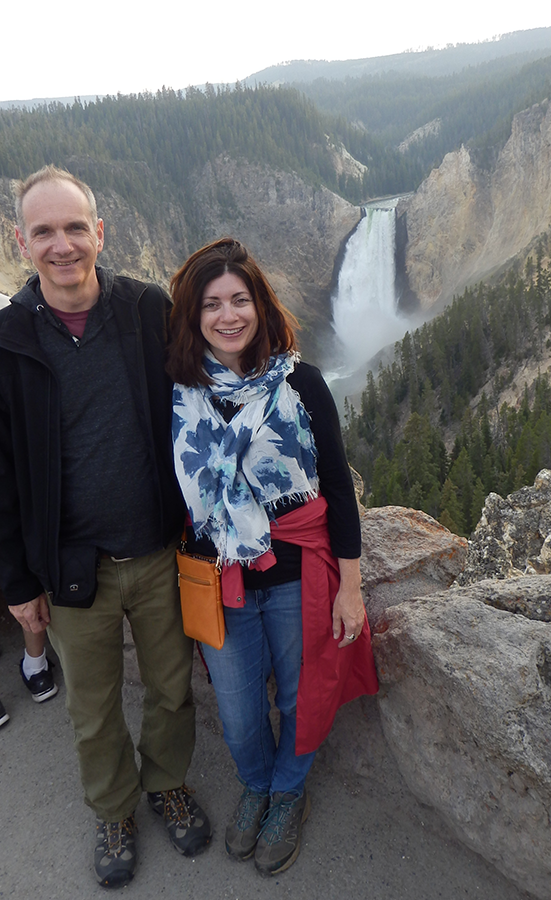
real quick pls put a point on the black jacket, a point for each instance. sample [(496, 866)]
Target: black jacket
[(30, 455)]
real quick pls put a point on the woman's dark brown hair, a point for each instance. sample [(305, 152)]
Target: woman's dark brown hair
[(276, 325)]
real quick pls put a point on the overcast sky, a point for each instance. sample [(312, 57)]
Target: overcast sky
[(70, 49)]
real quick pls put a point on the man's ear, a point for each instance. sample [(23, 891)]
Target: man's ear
[(100, 236), (21, 241)]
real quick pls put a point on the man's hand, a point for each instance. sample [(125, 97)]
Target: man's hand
[(32, 616)]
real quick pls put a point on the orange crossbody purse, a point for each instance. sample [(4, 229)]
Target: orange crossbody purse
[(199, 580)]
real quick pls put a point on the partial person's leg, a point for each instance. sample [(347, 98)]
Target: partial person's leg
[(89, 643), (278, 845), (35, 644), (239, 673), (282, 618), (165, 658), (36, 670)]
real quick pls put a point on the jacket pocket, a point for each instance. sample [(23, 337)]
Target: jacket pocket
[(78, 576)]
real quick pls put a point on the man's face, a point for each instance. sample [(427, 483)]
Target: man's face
[(61, 239)]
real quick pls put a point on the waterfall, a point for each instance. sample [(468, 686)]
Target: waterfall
[(365, 313)]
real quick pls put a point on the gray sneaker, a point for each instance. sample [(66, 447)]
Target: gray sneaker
[(244, 826), (279, 842), (115, 853)]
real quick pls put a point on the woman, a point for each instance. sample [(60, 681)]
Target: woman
[(260, 461)]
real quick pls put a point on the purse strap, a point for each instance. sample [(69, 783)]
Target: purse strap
[(183, 540), (182, 548)]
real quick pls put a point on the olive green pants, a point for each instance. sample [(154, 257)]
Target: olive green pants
[(89, 643)]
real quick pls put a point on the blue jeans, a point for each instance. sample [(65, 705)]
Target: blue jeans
[(266, 633)]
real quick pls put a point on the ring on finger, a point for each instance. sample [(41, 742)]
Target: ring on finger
[(350, 637)]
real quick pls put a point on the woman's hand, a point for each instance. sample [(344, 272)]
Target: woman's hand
[(348, 609)]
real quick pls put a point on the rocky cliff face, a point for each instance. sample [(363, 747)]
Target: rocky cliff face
[(294, 231), (465, 673), (13, 268), (464, 223)]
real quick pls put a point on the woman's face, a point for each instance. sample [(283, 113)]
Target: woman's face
[(229, 320)]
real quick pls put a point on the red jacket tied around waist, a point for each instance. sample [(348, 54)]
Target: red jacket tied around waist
[(329, 676)]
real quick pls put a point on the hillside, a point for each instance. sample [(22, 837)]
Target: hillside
[(149, 146), (172, 172), (419, 119), (466, 221)]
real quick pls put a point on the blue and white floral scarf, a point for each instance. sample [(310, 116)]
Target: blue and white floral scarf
[(230, 473)]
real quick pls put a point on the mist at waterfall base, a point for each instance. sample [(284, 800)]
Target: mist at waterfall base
[(365, 307)]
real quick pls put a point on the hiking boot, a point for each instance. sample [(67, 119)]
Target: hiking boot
[(279, 842), (4, 717), (187, 825), (244, 826), (115, 853), (41, 685)]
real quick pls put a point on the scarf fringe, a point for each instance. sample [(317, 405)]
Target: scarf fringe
[(294, 497), (297, 496)]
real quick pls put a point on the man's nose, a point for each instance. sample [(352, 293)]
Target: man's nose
[(62, 242)]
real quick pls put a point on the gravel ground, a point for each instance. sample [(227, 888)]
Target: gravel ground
[(367, 836)]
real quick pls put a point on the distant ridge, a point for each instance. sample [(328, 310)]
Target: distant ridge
[(531, 44), (528, 45), (40, 101)]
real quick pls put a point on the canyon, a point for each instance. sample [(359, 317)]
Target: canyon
[(465, 223)]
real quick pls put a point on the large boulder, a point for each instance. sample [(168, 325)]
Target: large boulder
[(405, 553), (465, 673), (465, 705)]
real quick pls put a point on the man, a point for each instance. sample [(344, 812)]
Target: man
[(90, 511)]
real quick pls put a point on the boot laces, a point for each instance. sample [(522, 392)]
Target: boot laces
[(275, 819), (115, 833), (249, 804), (177, 806)]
